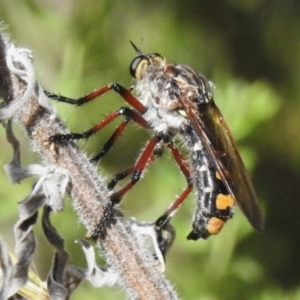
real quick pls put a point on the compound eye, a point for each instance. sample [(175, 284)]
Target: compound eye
[(138, 66)]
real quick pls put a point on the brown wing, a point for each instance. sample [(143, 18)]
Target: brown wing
[(211, 128)]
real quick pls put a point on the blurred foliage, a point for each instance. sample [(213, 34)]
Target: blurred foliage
[(251, 51)]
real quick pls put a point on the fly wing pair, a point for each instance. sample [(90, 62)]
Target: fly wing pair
[(208, 123)]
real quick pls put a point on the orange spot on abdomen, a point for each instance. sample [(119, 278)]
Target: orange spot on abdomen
[(214, 225), (224, 201)]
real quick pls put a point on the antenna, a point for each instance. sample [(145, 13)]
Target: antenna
[(138, 51)]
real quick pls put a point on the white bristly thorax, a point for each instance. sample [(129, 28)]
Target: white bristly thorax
[(154, 93)]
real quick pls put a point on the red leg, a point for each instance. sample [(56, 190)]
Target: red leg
[(107, 146), (123, 111), (163, 220), (124, 93), (137, 170), (124, 174), (148, 155)]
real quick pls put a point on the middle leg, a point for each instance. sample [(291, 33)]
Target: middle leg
[(147, 155)]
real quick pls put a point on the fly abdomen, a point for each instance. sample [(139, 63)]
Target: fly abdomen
[(214, 204)]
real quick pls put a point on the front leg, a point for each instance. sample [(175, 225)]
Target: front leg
[(124, 93)]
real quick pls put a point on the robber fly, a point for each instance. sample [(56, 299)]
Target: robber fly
[(174, 101)]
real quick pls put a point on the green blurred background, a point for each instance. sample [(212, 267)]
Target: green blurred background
[(251, 51)]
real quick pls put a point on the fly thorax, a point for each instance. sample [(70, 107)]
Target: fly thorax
[(162, 107)]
